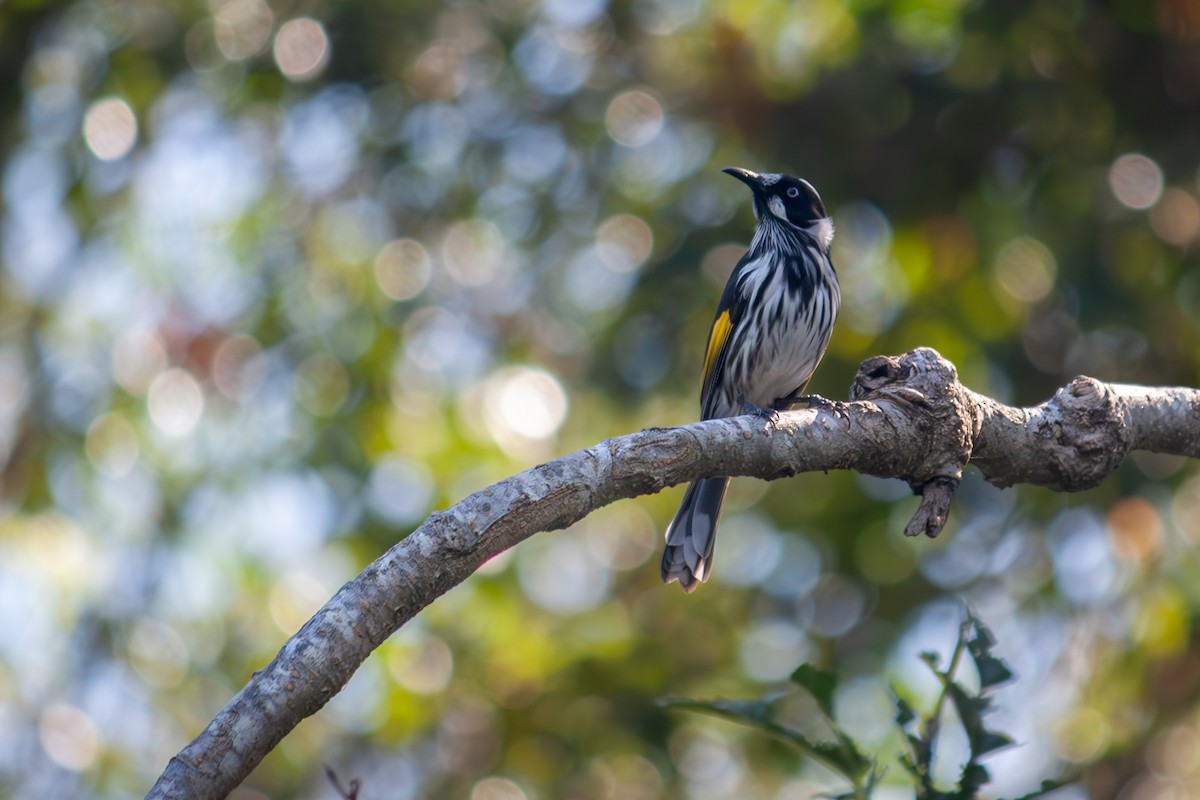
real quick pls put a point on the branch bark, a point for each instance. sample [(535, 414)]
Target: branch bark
[(909, 418)]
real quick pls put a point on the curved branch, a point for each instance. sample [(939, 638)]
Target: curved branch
[(910, 418)]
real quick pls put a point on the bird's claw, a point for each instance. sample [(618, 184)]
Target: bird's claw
[(819, 403), (771, 415)]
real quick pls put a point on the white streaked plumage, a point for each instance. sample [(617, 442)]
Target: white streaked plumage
[(800, 326), (771, 330)]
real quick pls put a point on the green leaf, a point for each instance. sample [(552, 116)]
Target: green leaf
[(905, 715), (970, 710), (974, 776), (992, 671), (984, 640), (843, 757), (980, 704), (749, 712), (970, 713), (922, 750), (819, 683), (1047, 787), (991, 741), (910, 767)]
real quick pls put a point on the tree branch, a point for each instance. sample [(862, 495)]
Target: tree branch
[(910, 418)]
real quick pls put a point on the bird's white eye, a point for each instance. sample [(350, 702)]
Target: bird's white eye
[(793, 192)]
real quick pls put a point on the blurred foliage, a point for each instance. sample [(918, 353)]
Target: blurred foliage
[(842, 755), (281, 278)]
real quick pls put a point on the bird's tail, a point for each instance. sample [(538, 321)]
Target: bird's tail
[(688, 554)]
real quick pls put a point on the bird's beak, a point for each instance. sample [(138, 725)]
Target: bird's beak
[(751, 179)]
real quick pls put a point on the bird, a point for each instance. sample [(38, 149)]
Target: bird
[(771, 329)]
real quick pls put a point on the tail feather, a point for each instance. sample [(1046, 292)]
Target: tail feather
[(687, 557)]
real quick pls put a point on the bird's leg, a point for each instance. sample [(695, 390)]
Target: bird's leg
[(771, 415), (815, 402)]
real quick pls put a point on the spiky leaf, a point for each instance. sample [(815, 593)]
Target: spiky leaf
[(991, 741), (973, 778), (843, 757), (983, 639), (905, 715), (992, 671), (819, 683), (910, 767), (971, 709), (1047, 787)]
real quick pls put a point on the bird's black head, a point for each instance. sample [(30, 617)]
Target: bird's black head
[(788, 198)]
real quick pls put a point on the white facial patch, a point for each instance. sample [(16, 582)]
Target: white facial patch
[(822, 229), (770, 179), (775, 203)]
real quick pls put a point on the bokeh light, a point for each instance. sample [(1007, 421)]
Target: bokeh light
[(243, 28), (874, 287), (634, 118), (175, 402), (301, 49), (1176, 217), (1084, 568), (754, 551), (1026, 269), (294, 598), (322, 384), (110, 128), (770, 651), (474, 252), (554, 61), (402, 269), (497, 789), (1136, 181), (321, 139), (112, 444), (1175, 752), (69, 736), (158, 653), (621, 539), (712, 765), (438, 72), (424, 666), (624, 242), (523, 402), (400, 489), (560, 575), (1135, 529), (1082, 735), (238, 367), (718, 263)]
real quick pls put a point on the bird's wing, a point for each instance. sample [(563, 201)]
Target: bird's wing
[(729, 313)]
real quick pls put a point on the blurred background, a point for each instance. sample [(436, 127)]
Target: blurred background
[(281, 278)]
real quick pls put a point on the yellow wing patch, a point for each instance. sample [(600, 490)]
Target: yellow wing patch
[(716, 341)]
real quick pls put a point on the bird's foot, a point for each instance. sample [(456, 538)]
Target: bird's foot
[(819, 403), (771, 415)]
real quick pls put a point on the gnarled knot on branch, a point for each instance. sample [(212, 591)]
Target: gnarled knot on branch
[(923, 387), (1088, 432), (1069, 443)]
